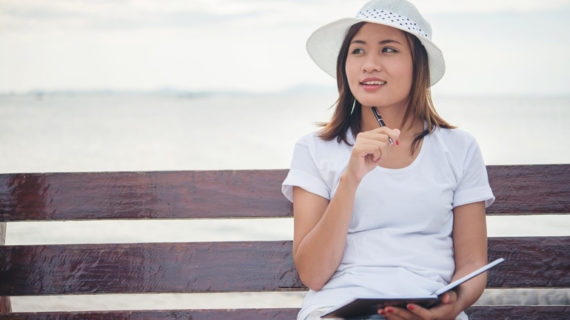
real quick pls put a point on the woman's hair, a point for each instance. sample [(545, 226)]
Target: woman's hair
[(420, 105)]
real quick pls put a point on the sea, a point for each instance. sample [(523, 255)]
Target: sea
[(175, 130)]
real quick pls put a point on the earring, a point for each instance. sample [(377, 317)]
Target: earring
[(353, 105)]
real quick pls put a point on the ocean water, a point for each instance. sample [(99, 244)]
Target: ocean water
[(133, 132), (128, 132)]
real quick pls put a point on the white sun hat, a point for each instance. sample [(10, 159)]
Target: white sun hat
[(324, 44)]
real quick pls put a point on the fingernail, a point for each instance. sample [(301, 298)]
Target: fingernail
[(389, 309), (382, 312), (397, 143), (410, 307)]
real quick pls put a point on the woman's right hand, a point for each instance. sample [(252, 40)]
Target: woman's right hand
[(369, 149)]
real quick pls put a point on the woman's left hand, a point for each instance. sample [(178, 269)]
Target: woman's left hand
[(447, 310)]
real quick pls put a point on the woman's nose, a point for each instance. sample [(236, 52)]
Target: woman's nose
[(371, 65)]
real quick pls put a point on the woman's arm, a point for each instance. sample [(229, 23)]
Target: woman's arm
[(470, 249), (321, 226), (320, 232)]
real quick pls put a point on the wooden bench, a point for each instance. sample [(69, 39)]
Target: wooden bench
[(531, 262)]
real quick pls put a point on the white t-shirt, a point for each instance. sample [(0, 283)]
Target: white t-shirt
[(399, 241)]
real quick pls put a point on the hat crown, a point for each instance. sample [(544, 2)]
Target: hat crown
[(399, 13)]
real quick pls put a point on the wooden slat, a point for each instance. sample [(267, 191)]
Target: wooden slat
[(475, 313), (5, 305), (157, 267), (530, 189), (518, 312), (117, 195), (530, 262), (234, 266), (223, 194), (234, 314)]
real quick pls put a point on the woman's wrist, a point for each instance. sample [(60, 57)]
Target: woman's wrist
[(349, 180)]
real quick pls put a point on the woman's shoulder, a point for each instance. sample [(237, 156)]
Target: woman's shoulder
[(454, 137), (457, 143), (315, 142)]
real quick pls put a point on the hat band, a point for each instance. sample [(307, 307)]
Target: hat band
[(394, 19)]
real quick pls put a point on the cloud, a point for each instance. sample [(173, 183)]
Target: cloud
[(39, 15), (36, 15), (449, 6), (192, 44)]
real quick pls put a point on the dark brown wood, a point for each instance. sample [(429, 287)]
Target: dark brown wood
[(530, 262), (125, 195), (234, 266), (234, 314), (5, 305), (223, 194), (157, 267), (518, 312), (475, 313), (530, 189)]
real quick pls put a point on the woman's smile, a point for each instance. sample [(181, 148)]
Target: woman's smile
[(372, 84)]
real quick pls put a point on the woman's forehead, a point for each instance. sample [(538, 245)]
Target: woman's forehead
[(379, 32)]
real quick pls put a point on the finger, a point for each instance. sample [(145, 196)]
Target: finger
[(381, 132), (387, 135), (373, 146), (393, 313), (391, 132), (418, 311), (394, 134), (449, 297), (374, 138), (370, 148)]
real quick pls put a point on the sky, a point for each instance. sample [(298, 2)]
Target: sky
[(490, 46)]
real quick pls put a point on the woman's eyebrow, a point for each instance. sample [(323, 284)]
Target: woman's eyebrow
[(380, 42), (388, 41)]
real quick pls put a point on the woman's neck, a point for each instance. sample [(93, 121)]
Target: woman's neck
[(393, 119)]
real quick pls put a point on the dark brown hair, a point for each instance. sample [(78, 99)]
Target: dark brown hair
[(420, 105)]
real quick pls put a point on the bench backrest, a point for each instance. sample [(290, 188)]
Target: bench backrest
[(531, 262)]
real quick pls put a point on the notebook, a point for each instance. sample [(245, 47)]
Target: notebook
[(367, 306)]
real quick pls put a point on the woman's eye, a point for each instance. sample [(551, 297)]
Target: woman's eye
[(357, 51), (389, 50)]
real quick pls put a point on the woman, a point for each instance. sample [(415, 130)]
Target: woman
[(394, 210)]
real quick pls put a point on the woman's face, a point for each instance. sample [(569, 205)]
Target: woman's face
[(379, 66)]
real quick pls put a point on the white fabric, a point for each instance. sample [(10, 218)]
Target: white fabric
[(399, 240)]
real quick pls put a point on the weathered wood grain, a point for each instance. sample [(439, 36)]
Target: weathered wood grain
[(234, 314), (233, 266), (157, 267), (475, 313), (530, 262), (127, 195), (518, 312), (224, 194), (530, 189)]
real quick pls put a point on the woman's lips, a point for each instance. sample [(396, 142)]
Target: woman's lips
[(372, 84)]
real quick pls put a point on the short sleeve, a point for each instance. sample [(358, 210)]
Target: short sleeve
[(304, 173), (473, 185)]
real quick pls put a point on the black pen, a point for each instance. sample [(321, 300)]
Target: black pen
[(381, 122)]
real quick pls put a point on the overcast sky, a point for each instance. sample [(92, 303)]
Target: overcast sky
[(490, 46)]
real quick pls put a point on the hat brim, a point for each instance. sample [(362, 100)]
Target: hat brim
[(324, 45)]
